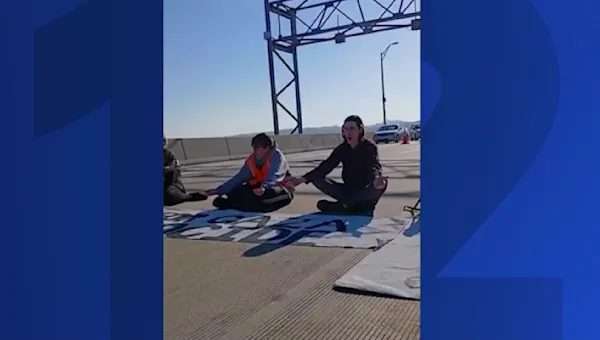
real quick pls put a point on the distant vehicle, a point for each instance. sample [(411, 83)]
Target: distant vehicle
[(389, 133), (415, 132)]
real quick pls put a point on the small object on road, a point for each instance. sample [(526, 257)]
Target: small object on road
[(415, 210), (405, 139)]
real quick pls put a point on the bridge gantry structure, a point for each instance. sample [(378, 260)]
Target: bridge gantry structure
[(307, 22)]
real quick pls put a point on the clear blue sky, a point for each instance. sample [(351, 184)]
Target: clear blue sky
[(216, 79)]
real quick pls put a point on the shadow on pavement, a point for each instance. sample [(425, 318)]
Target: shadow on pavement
[(346, 224), (367, 293)]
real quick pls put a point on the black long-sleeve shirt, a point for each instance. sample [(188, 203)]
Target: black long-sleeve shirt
[(360, 165), (169, 158), (171, 172)]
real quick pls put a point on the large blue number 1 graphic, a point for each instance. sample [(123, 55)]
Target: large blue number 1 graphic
[(69, 82)]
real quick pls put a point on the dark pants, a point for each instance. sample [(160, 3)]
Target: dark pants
[(347, 195), (243, 198), (176, 194), (174, 191)]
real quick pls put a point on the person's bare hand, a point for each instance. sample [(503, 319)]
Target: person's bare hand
[(172, 166), (380, 182), (259, 191), (293, 182)]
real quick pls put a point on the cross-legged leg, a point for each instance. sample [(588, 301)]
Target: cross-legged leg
[(361, 201), (175, 194), (275, 198), (333, 189), (243, 198), (330, 188), (367, 196), (234, 198)]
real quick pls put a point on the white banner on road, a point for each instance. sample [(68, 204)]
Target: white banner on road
[(275, 228), (393, 270)]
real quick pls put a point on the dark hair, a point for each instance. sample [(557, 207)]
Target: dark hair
[(262, 140), (358, 121)]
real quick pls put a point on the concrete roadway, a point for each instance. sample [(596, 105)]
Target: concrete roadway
[(211, 291)]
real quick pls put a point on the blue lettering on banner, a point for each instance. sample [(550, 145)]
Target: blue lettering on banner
[(234, 226), (173, 221)]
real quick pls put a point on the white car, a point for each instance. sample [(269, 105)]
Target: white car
[(389, 133), (415, 132)]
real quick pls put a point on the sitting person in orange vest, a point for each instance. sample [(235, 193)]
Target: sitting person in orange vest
[(257, 187)]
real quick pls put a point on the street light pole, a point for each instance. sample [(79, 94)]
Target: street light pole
[(383, 91), (383, 99)]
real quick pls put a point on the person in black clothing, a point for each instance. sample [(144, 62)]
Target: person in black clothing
[(363, 183), (174, 191)]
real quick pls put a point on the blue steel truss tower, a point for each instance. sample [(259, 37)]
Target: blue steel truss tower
[(308, 24)]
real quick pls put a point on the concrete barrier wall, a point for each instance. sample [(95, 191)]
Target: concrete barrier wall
[(205, 150)]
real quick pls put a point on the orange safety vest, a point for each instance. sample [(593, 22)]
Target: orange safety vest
[(258, 174)]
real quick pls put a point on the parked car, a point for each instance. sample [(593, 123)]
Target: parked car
[(389, 133), (415, 132)]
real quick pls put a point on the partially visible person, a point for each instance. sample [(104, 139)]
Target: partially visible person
[(174, 191), (257, 187), (363, 183)]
